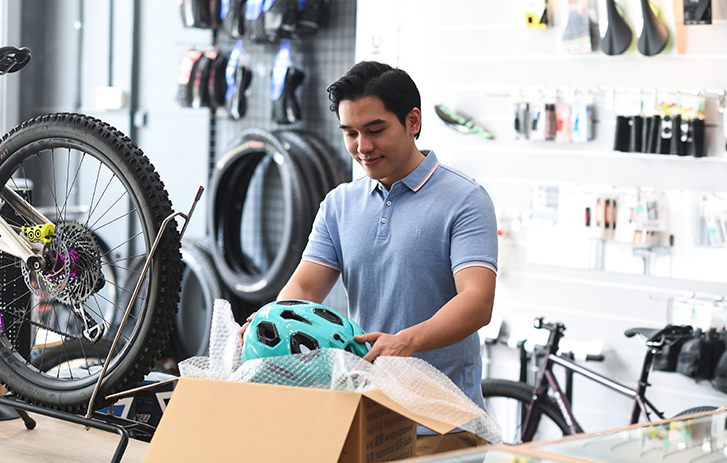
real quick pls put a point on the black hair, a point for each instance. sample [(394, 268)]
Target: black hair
[(393, 86)]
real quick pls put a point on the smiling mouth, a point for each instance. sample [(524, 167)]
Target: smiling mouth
[(371, 161)]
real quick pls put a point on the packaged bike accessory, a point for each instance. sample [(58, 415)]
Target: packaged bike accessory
[(719, 381), (581, 123), (697, 12), (285, 79), (563, 123), (200, 85), (536, 14), (185, 77), (311, 16), (520, 120), (232, 13), (238, 76), (666, 359), (196, 13), (654, 34), (216, 83), (536, 127), (280, 19), (617, 38), (577, 37), (255, 19)]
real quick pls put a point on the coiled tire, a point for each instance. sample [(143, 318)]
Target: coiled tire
[(258, 157), (77, 160), (201, 286), (507, 402)]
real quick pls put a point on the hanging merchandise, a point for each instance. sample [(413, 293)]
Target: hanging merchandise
[(520, 120), (255, 19), (460, 123), (311, 15), (185, 75), (692, 125), (538, 121), (232, 13), (667, 110), (285, 79), (581, 122), (238, 75), (196, 13), (563, 123), (200, 85), (280, 19), (618, 34), (536, 14), (216, 82), (654, 34), (578, 35), (628, 136), (697, 12)]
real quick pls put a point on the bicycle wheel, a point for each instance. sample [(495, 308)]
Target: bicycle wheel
[(507, 401), (89, 180), (695, 410)]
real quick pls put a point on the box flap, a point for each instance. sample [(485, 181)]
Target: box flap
[(435, 425), (212, 420)]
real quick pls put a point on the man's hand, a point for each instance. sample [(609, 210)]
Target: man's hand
[(396, 345), (243, 328)]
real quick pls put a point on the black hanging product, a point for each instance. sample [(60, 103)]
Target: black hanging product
[(238, 76), (654, 35), (285, 80), (233, 17), (618, 34)]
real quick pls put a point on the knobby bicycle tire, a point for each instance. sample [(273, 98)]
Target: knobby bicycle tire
[(89, 180), (507, 401)]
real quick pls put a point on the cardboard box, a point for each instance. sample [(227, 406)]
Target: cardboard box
[(211, 420)]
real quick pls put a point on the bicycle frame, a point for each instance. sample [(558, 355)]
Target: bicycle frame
[(547, 381)]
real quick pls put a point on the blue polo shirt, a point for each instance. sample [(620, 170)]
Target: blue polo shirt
[(398, 251)]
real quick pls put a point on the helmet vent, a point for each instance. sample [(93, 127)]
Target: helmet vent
[(290, 315), (267, 333), (301, 343), (329, 315), (291, 302)]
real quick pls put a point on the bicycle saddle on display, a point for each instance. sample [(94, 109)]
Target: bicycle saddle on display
[(654, 34), (618, 34), (654, 334), (13, 59)]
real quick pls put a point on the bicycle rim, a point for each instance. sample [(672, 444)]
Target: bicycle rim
[(507, 402), (107, 204)]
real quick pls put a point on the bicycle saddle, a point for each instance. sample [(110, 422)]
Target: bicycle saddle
[(654, 34), (653, 334), (13, 59), (618, 34)]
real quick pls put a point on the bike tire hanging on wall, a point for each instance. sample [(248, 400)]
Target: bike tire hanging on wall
[(265, 191)]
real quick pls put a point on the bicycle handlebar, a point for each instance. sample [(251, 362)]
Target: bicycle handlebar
[(13, 59)]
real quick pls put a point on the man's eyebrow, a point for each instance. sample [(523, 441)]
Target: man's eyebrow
[(374, 122)]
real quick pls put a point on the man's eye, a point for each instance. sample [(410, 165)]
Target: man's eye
[(376, 131)]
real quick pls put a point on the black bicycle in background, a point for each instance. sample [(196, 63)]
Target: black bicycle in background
[(81, 206), (543, 412)]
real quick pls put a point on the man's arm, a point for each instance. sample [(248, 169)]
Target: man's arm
[(464, 314), (310, 282)]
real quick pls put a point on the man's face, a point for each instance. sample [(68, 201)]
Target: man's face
[(378, 141)]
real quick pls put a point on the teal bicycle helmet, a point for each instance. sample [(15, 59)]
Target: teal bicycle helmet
[(295, 327)]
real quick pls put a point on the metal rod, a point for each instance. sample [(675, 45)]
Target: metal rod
[(136, 292), (620, 388)]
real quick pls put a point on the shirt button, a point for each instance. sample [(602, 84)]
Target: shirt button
[(383, 220), (388, 203)]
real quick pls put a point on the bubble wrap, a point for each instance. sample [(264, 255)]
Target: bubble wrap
[(411, 382)]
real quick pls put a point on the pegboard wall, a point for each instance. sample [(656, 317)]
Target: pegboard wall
[(324, 57)]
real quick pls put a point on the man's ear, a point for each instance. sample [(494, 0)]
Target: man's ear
[(414, 121)]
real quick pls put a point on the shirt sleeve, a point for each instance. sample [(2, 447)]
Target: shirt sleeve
[(323, 244), (474, 233)]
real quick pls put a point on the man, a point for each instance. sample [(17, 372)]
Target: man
[(415, 242)]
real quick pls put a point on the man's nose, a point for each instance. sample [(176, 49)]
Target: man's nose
[(365, 145)]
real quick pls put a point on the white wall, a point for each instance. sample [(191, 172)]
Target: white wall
[(473, 56)]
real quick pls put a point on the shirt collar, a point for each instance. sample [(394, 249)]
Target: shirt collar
[(418, 177)]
